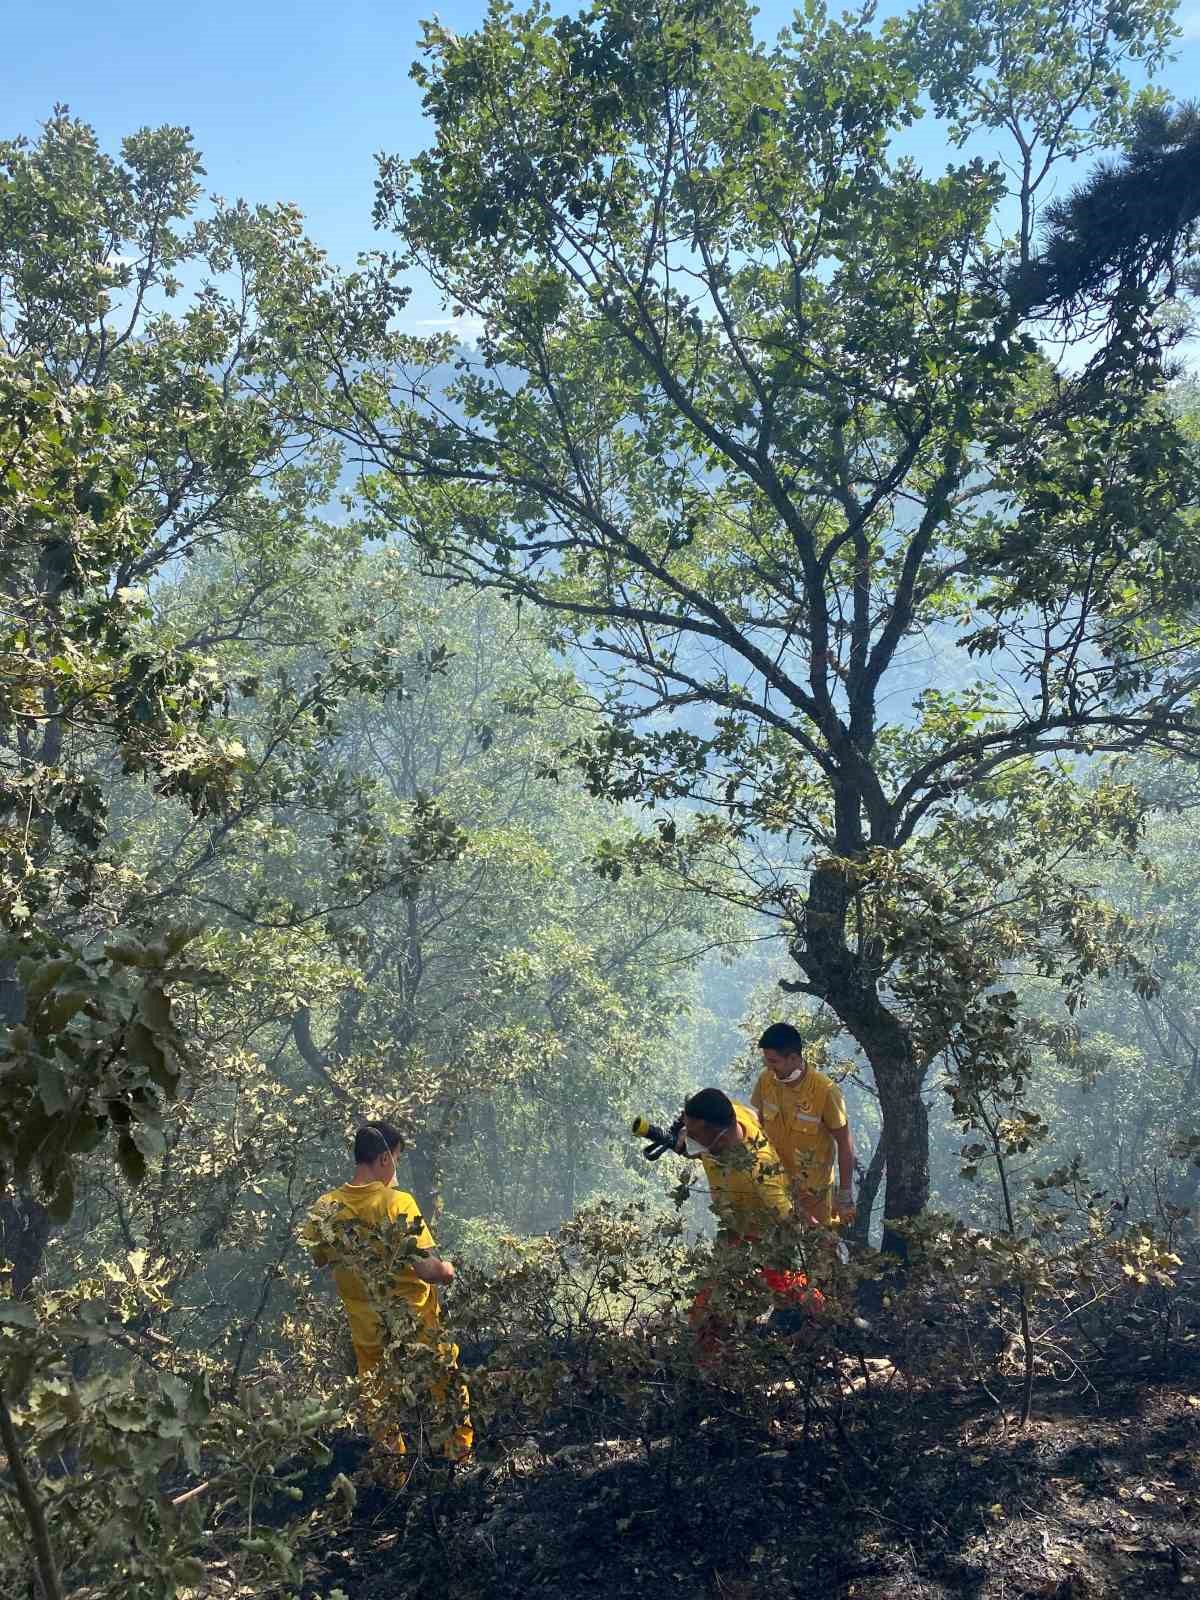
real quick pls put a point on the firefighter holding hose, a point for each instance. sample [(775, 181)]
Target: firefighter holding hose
[(749, 1194)]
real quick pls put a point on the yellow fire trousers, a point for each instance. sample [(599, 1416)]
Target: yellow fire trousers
[(448, 1393)]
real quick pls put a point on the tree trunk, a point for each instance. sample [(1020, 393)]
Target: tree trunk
[(905, 1140), (24, 1230), (534, 1208), (491, 1152), (12, 994), (860, 1230), (570, 1174), (426, 1172), (24, 1223), (1184, 1192), (848, 981), (45, 1564)]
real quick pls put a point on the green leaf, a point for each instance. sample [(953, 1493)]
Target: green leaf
[(45, 976), (179, 938), (155, 1007), (52, 1087), (176, 1390), (63, 1202), (64, 1006), (86, 1133), (130, 1160), (149, 1139), (128, 954), (143, 1047)]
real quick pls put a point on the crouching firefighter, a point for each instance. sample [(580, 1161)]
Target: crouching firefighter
[(750, 1196), (369, 1222)]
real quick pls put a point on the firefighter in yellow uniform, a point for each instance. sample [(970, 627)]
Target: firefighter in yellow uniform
[(749, 1195), (747, 1184), (803, 1114), (371, 1198)]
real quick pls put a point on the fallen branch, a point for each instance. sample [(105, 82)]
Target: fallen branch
[(192, 1494)]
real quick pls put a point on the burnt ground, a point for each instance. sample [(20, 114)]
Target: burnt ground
[(915, 1495)]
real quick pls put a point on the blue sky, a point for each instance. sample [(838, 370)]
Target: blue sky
[(286, 101)]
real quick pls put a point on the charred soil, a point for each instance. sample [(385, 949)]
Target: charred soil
[(906, 1492)]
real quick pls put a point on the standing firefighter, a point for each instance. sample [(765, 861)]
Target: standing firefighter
[(804, 1116), (382, 1229)]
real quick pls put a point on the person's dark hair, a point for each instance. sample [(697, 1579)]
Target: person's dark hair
[(783, 1037), (375, 1139), (712, 1106)]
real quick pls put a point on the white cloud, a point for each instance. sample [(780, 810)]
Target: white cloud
[(469, 327), (1189, 25)]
